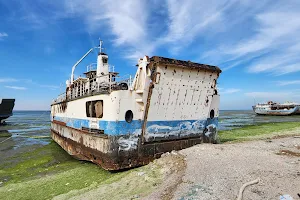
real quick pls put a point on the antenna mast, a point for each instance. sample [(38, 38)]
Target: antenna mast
[(100, 45)]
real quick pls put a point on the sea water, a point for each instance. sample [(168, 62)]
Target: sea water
[(29, 129)]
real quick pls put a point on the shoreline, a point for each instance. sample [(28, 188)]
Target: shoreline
[(53, 168)]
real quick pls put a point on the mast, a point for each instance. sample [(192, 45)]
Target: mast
[(102, 65)]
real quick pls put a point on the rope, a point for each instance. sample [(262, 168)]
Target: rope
[(240, 196), (5, 139)]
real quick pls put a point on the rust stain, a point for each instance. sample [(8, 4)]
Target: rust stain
[(115, 159), (184, 64), (151, 86)]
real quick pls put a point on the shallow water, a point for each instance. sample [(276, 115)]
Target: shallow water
[(32, 128), (24, 131), (230, 119)]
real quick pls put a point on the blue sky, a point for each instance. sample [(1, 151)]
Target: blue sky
[(257, 45)]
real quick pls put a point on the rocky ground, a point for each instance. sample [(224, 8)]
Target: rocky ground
[(218, 171)]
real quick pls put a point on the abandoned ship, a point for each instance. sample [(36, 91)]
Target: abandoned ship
[(169, 105), (272, 108), (6, 108)]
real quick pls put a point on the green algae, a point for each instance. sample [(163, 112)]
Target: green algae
[(258, 131), (46, 172), (49, 186), (131, 184)]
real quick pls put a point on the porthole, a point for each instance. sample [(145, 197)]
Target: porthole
[(212, 114), (128, 116)]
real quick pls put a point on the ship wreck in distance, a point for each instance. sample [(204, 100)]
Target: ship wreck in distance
[(272, 108), (169, 105), (6, 109)]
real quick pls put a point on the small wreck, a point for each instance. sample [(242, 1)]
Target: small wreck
[(272, 108), (168, 105)]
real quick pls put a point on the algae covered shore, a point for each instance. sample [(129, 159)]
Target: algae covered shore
[(47, 171)]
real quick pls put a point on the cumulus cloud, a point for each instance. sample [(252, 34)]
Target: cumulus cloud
[(128, 22)]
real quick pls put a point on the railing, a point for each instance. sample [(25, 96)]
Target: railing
[(60, 98), (92, 86), (111, 68), (93, 67)]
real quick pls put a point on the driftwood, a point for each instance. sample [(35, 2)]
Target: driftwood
[(240, 196)]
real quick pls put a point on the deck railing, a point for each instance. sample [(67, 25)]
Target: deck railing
[(92, 86)]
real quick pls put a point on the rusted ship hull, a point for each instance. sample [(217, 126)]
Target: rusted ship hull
[(107, 152)]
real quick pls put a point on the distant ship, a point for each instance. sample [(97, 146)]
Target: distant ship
[(272, 108), (6, 108)]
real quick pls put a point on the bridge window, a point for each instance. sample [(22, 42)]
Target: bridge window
[(104, 60), (94, 108)]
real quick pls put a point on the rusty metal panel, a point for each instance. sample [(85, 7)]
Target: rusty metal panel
[(184, 64)]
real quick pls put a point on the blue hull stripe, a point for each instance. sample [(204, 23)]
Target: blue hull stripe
[(123, 128)]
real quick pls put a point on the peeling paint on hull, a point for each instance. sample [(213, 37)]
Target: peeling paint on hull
[(110, 152)]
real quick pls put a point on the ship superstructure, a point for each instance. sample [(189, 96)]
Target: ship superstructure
[(169, 105)]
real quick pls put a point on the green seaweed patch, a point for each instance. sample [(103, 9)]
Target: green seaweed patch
[(47, 160), (5, 134), (46, 187), (46, 172), (258, 131)]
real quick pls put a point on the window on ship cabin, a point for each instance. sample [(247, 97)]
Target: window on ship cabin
[(104, 60), (94, 108)]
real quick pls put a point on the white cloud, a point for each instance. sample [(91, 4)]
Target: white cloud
[(126, 20), (284, 83), (16, 87), (7, 80), (269, 37), (229, 90), (188, 18), (3, 35)]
